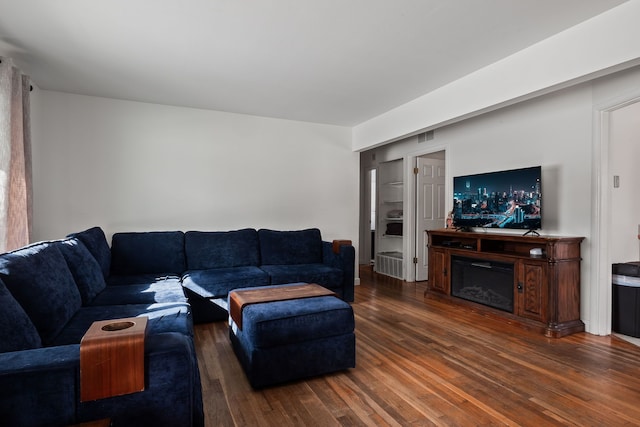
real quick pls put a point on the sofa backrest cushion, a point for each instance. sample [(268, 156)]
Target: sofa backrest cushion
[(17, 332), (83, 266), (38, 278), (95, 240), (290, 247), (149, 252), (221, 249)]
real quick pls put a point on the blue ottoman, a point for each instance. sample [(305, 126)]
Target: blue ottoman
[(283, 341)]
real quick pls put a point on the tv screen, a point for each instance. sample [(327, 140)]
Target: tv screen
[(503, 199)]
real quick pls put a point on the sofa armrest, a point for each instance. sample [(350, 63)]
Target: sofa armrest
[(172, 395), (39, 386), (344, 260), (42, 387)]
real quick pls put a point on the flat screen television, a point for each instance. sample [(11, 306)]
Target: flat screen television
[(508, 199)]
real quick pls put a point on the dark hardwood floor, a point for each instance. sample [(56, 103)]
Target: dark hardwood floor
[(425, 362)]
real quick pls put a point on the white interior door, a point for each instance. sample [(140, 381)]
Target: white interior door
[(430, 207)]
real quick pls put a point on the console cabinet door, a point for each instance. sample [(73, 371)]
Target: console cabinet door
[(439, 270), (532, 290)]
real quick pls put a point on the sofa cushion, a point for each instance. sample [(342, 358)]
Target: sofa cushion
[(163, 317), (38, 277), (83, 266), (96, 242), (142, 279), (321, 274), (151, 293), (221, 249), (147, 252), (216, 283), (290, 247), (17, 332)]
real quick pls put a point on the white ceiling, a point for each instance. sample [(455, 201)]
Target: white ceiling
[(326, 61)]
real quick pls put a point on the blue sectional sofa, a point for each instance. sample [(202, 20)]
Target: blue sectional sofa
[(51, 293)]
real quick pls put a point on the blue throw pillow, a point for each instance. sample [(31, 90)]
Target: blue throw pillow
[(95, 240), (16, 329), (84, 268), (290, 247), (38, 278)]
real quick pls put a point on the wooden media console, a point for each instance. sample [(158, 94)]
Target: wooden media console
[(537, 291)]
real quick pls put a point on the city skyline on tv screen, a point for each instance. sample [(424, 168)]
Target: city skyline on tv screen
[(502, 199)]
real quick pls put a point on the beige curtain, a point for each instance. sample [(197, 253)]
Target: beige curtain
[(15, 157)]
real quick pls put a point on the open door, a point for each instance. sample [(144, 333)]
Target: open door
[(430, 207)]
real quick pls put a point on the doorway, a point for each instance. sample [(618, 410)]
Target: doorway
[(369, 202), (624, 205), (611, 144)]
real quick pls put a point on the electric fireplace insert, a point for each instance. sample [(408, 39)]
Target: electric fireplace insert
[(484, 282)]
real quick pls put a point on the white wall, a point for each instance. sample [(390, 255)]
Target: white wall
[(625, 202), (134, 166)]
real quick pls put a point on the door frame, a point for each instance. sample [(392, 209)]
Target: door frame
[(410, 207)]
